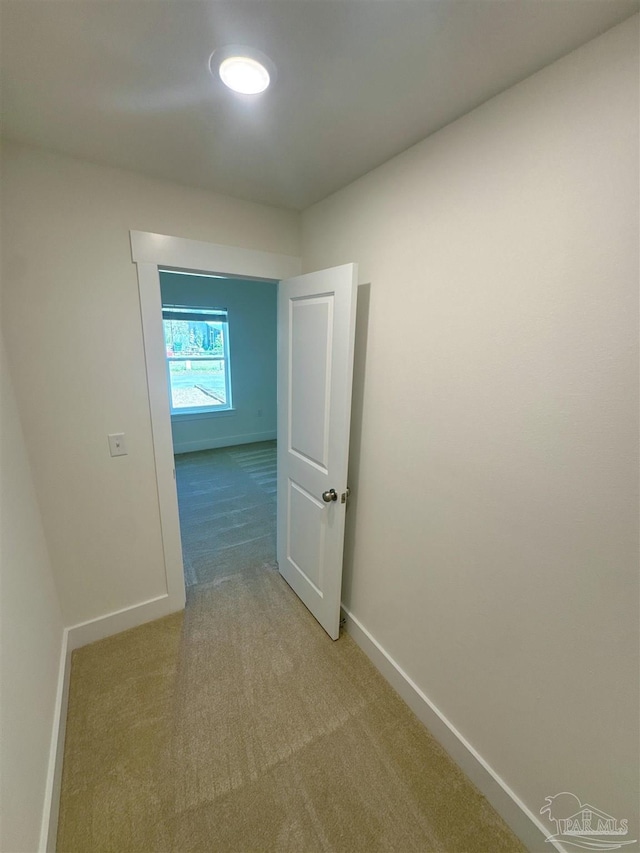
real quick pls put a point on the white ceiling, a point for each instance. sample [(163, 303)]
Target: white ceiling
[(126, 82)]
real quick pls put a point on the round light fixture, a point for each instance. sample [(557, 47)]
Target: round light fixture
[(243, 69), (244, 75)]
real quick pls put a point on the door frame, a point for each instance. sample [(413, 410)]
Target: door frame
[(149, 252)]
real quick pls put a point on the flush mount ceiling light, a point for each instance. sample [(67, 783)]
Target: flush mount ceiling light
[(244, 75), (243, 69)]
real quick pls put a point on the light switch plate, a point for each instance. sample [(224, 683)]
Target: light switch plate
[(117, 446)]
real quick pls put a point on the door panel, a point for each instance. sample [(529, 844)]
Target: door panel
[(310, 322), (306, 535), (316, 326)]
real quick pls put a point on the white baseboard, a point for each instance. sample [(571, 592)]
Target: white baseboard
[(49, 825), (121, 620), (73, 638), (524, 823), (225, 441)]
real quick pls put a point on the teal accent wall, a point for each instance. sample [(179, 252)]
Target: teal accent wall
[(252, 307)]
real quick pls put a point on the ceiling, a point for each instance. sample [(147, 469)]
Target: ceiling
[(126, 82)]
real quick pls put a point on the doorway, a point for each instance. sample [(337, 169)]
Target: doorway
[(152, 252), (221, 360)]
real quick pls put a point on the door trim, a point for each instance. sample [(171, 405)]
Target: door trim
[(150, 251)]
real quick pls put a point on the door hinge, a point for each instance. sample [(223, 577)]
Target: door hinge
[(344, 497)]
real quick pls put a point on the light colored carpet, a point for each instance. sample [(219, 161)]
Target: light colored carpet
[(239, 726)]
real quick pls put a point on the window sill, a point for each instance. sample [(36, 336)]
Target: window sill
[(197, 416)]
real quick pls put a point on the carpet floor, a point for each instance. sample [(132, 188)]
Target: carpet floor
[(239, 726), (227, 501)]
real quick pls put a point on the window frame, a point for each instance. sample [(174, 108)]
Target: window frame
[(200, 314)]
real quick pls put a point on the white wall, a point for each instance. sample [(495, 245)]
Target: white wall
[(492, 542), (253, 348), (73, 333), (31, 633)]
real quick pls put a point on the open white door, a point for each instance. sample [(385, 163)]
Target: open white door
[(316, 327)]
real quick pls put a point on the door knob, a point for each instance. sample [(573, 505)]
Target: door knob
[(330, 495)]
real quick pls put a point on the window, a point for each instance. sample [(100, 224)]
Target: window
[(197, 346)]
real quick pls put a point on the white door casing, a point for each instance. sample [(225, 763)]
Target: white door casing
[(150, 251), (316, 330)]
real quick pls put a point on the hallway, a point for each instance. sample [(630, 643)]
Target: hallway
[(239, 726)]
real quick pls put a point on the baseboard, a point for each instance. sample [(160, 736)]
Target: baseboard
[(524, 823), (49, 825), (121, 620), (225, 441)]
